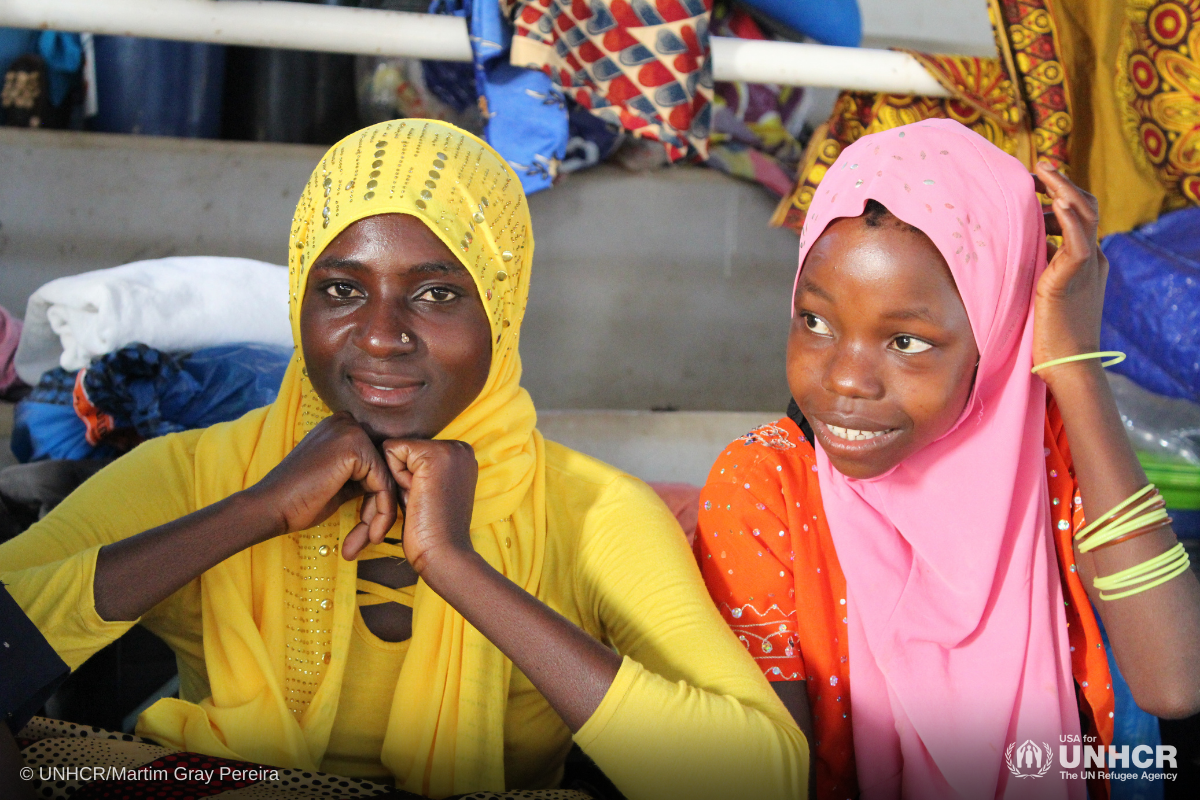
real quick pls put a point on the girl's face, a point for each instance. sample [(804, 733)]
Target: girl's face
[(881, 357), (393, 329)]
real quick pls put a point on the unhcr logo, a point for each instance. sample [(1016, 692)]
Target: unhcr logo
[(1031, 761), (1084, 758)]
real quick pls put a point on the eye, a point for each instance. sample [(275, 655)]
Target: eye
[(342, 291), (910, 344), (438, 294), (816, 325)]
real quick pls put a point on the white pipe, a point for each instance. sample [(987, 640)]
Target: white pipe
[(791, 64), (292, 26), (338, 29)]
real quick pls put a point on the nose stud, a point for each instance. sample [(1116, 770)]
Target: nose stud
[(404, 338)]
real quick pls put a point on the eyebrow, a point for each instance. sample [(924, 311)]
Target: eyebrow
[(354, 265), (808, 286), (920, 312)]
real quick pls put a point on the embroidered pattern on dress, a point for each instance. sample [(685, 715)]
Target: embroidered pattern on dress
[(769, 635), (769, 435)]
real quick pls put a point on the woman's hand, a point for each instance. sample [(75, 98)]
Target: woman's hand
[(1070, 293), (334, 463), (437, 486)]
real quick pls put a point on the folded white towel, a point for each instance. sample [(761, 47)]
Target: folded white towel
[(172, 304)]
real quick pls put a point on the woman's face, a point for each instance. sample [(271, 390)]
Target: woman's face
[(881, 357), (393, 329)]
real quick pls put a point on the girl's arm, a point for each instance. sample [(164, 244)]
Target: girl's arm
[(1155, 635)]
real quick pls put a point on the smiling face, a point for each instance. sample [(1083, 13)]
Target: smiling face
[(881, 356), (393, 329)]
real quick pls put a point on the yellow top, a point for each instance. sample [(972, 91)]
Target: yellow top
[(266, 638), (688, 716)]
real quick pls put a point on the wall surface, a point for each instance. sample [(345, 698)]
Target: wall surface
[(932, 26), (654, 290)]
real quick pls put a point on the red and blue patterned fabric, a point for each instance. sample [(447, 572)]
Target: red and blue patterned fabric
[(641, 64)]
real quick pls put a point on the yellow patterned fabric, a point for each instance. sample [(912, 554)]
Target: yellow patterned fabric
[(1018, 102), (1135, 76), (1158, 85)]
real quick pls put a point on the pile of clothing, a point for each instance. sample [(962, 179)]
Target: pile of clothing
[(110, 358), (560, 85)]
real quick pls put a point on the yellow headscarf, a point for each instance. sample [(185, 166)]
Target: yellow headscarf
[(278, 616)]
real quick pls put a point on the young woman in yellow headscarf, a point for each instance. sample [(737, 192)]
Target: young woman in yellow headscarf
[(556, 596)]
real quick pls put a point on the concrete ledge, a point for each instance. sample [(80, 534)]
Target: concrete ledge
[(653, 445)]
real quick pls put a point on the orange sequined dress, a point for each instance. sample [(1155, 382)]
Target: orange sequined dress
[(766, 555)]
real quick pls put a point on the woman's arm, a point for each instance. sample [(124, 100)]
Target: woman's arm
[(1155, 635), (572, 670), (685, 710), (333, 464)]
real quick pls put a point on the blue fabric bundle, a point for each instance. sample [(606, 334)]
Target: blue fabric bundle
[(1152, 304), (157, 393), (150, 392)]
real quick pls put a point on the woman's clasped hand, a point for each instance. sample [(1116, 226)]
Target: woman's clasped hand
[(334, 464), (432, 480)]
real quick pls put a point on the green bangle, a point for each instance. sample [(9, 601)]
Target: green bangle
[(1147, 575), (1181, 568), (1103, 518), (1113, 356)]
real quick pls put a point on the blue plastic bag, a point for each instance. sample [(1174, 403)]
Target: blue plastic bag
[(1152, 304), (45, 424), (157, 393), (148, 392)]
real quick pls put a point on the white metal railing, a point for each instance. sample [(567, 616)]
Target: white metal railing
[(338, 29)]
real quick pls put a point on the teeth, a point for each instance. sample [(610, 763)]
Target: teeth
[(852, 435)]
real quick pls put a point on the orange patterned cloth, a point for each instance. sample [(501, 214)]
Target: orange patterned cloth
[(765, 552), (1018, 102)]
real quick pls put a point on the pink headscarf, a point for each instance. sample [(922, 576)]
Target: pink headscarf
[(957, 635)]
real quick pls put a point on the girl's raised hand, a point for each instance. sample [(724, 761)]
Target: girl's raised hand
[(1070, 294)]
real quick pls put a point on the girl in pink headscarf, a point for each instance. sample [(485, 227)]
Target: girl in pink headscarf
[(907, 581)]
